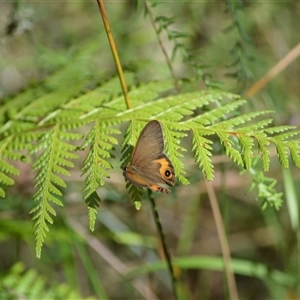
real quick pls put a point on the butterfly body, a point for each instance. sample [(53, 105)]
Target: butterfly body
[(149, 166)]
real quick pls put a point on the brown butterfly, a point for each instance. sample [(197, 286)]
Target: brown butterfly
[(149, 166)]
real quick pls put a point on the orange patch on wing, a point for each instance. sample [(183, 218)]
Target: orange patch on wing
[(158, 188)]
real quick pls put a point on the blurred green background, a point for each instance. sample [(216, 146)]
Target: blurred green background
[(234, 44)]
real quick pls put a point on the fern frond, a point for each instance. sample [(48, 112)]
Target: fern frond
[(130, 138), (49, 102), (9, 151), (88, 104), (51, 163), (257, 126), (50, 133), (132, 133), (233, 153), (24, 141), (135, 195), (15, 126), (8, 169), (92, 211), (236, 134), (95, 165), (246, 144), (173, 108), (263, 143), (210, 117), (282, 145), (287, 135), (102, 103), (242, 119), (9, 148), (18, 102), (278, 129), (295, 152), (150, 91), (92, 202), (5, 180), (282, 153), (173, 149), (202, 149)]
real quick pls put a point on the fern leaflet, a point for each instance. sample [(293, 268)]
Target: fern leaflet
[(95, 165), (51, 163)]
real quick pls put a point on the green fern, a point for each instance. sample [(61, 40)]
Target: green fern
[(212, 116), (54, 160), (6, 169), (51, 132), (92, 202), (173, 150), (95, 165), (202, 150), (267, 193), (135, 194)]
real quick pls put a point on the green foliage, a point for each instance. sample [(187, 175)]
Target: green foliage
[(101, 143), (165, 25), (53, 161), (71, 112), (29, 284), (265, 186), (74, 118), (240, 56), (54, 128), (202, 150)]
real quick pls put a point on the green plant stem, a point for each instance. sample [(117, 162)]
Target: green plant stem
[(162, 238), (223, 241), (114, 52)]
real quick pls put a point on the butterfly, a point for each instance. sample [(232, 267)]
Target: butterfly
[(149, 166)]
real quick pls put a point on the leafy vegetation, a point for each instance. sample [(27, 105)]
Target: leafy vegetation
[(72, 119), (20, 283)]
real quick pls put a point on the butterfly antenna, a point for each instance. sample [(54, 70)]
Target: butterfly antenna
[(163, 241)]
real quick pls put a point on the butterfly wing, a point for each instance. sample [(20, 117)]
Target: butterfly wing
[(150, 167), (149, 146)]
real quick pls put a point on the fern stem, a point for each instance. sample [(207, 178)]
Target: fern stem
[(162, 238), (114, 52), (232, 288), (169, 63)]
